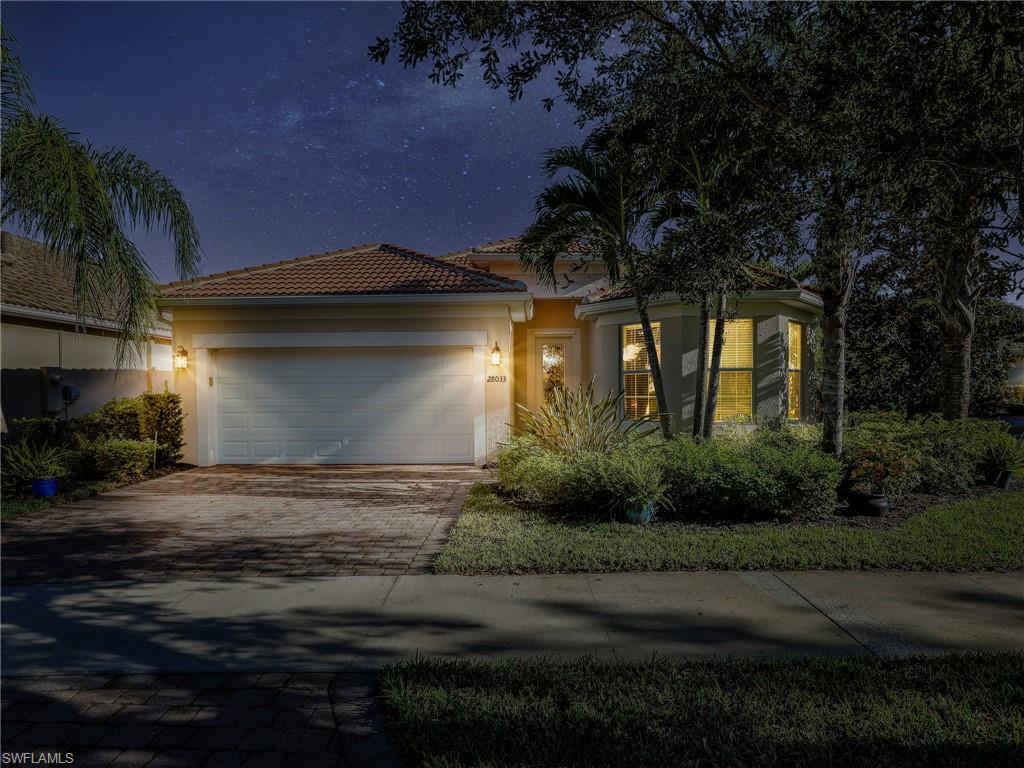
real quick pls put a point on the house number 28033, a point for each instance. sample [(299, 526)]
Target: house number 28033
[(497, 379)]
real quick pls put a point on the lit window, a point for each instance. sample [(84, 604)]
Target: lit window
[(736, 370), (796, 348), (637, 382)]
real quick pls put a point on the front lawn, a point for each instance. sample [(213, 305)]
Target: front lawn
[(495, 536), (861, 711)]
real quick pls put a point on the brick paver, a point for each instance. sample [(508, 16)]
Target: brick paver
[(177, 720), (228, 521)]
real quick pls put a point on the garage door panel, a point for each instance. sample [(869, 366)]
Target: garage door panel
[(345, 405)]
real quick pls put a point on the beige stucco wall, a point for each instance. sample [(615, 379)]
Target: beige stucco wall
[(680, 331), (410, 318), (547, 314), (38, 346)]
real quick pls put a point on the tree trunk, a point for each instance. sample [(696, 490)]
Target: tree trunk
[(716, 363), (702, 366), (833, 380), (956, 374), (961, 278), (664, 417)]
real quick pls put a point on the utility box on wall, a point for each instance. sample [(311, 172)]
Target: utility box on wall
[(53, 386)]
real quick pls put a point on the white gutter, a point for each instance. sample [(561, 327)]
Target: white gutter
[(51, 316), (523, 301), (791, 295)]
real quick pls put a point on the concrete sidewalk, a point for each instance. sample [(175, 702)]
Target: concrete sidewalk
[(359, 622)]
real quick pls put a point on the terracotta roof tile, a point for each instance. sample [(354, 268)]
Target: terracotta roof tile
[(763, 279), (373, 269), (503, 247)]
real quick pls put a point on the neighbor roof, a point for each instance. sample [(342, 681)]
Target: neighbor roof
[(505, 247), (373, 269), (32, 276)]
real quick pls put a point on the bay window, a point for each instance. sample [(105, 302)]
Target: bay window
[(736, 371), (637, 381), (793, 378)]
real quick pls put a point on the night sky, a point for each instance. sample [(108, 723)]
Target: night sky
[(285, 138)]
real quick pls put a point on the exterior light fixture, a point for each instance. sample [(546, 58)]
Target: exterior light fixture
[(630, 352), (181, 358), (496, 355)]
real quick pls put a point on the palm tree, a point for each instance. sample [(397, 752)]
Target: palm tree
[(603, 202), (78, 201)]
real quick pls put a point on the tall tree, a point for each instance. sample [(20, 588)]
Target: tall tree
[(79, 201), (602, 201), (963, 86)]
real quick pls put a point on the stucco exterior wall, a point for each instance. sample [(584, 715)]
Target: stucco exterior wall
[(406, 318), (86, 360), (547, 314)]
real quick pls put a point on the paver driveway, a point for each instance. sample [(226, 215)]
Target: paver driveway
[(244, 520)]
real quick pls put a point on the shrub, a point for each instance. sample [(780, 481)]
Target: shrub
[(25, 462), (763, 474), (116, 459), (947, 455), (571, 422), (162, 419), (631, 479), (532, 473), (1003, 452), (38, 432), (121, 418)]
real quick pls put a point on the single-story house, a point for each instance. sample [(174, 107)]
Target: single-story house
[(49, 353), (381, 354)]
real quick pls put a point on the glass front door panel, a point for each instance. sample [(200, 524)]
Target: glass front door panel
[(552, 369)]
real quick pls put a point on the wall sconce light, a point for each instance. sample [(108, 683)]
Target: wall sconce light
[(181, 358), (496, 355)]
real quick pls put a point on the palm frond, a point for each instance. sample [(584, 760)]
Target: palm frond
[(54, 189), (15, 88)]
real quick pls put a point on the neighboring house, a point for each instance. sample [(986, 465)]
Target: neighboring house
[(380, 354), (45, 347)]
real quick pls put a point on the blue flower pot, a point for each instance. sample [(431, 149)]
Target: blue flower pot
[(641, 516), (45, 488)]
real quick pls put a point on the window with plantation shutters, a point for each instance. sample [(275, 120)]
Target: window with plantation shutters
[(736, 371), (639, 400), (796, 346)]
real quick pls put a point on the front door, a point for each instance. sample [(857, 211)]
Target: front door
[(555, 366)]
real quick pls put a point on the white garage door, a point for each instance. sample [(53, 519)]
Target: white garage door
[(344, 406)]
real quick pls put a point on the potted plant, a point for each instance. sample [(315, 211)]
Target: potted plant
[(1003, 454), (38, 466), (637, 482), (874, 477)]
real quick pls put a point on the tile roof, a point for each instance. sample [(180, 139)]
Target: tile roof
[(762, 279), (373, 269), (33, 276), (505, 247)]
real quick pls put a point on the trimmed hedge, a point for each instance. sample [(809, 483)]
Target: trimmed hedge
[(116, 459), (763, 474), (760, 474)]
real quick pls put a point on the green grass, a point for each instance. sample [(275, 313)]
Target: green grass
[(13, 506), (964, 710), (494, 536)]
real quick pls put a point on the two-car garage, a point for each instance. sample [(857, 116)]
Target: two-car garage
[(344, 405)]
